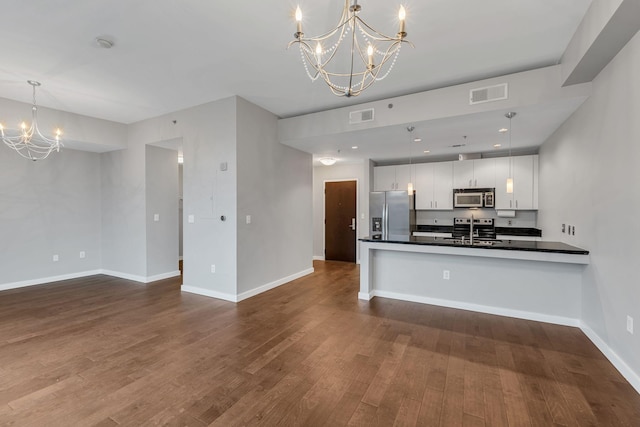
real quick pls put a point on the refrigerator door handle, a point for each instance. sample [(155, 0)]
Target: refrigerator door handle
[(385, 220)]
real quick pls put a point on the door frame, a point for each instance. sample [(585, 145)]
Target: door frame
[(324, 219)]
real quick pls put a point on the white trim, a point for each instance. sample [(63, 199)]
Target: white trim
[(140, 279), (44, 280), (163, 276), (318, 258), (248, 294), (519, 314), (274, 284), (618, 363), (180, 258), (125, 276), (365, 296), (209, 293)]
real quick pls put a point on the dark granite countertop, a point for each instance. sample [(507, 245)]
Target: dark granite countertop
[(513, 245)]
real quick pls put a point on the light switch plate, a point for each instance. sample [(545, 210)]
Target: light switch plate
[(82, 254), (156, 217), (191, 219)]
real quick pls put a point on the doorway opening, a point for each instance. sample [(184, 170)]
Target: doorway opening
[(340, 213)]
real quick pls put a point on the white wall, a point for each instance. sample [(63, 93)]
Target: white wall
[(161, 200), (274, 188), (208, 134), (339, 172), (588, 175), (124, 238), (48, 207)]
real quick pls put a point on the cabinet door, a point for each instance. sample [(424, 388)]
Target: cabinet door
[(404, 174), (443, 185), (523, 182), (484, 173), (503, 200), (463, 174), (384, 178), (424, 186)]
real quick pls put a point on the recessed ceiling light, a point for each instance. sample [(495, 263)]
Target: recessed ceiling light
[(417, 139), (497, 145), (503, 130), (355, 147), (426, 151)]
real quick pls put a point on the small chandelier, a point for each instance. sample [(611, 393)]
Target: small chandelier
[(371, 57), (30, 143)]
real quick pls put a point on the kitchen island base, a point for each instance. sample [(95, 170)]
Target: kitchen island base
[(529, 285)]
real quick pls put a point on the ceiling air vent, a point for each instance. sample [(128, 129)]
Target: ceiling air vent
[(361, 116), (488, 94)]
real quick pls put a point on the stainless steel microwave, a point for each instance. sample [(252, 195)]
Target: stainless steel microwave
[(473, 198)]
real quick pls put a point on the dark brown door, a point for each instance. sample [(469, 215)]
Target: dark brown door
[(340, 221)]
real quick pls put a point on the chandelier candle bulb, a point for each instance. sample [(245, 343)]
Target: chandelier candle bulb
[(370, 54), (299, 21), (402, 15)]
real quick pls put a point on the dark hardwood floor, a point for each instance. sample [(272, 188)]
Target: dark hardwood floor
[(104, 351)]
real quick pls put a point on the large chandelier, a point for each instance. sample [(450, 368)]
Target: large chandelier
[(30, 143), (371, 57)]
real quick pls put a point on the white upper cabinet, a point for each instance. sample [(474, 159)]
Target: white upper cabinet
[(524, 171), (463, 174), (404, 174), (433, 185), (388, 178), (384, 178), (484, 173), (478, 173)]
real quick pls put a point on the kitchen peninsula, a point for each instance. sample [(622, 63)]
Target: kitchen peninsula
[(531, 280)]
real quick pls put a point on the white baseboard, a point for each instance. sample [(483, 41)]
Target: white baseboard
[(274, 284), (163, 276), (248, 294), (620, 365), (140, 279), (527, 315), (318, 258), (43, 280), (365, 296), (208, 293)]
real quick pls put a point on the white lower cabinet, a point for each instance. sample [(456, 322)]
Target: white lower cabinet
[(524, 171), (434, 185)]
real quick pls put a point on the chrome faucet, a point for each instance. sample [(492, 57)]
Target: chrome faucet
[(471, 231)]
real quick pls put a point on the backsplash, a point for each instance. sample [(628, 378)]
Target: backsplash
[(526, 219)]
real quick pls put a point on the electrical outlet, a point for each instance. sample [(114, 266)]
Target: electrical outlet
[(445, 274), (82, 254), (573, 231), (510, 222), (56, 258), (213, 268), (630, 324), (248, 219)]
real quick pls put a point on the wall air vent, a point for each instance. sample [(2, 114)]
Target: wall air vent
[(361, 116), (488, 94)]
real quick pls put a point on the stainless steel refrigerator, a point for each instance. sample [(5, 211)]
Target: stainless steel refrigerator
[(392, 215)]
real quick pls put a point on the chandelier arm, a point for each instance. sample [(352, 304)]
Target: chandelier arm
[(375, 33)]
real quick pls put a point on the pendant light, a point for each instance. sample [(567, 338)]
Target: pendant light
[(410, 185), (510, 116)]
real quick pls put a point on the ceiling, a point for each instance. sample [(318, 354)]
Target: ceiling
[(170, 55)]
